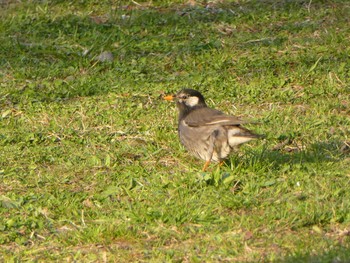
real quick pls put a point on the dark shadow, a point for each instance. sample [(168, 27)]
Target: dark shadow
[(281, 160), (338, 254), (319, 152)]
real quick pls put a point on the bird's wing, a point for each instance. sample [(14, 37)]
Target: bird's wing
[(207, 117)]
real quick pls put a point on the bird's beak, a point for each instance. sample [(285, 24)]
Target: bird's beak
[(169, 97)]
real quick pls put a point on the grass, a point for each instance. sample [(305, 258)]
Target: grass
[(90, 163)]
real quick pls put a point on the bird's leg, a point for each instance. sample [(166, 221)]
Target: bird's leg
[(206, 166), (221, 162), (210, 151)]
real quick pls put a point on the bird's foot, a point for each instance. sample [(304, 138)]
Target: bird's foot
[(205, 166)]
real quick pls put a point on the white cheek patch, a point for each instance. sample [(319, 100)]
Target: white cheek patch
[(192, 101)]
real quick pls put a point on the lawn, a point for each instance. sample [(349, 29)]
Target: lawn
[(91, 167)]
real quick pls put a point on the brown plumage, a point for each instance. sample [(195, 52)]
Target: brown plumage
[(206, 133)]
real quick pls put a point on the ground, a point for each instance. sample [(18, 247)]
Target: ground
[(91, 166)]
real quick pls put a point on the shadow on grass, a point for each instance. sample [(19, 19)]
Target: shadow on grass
[(309, 160), (319, 152), (340, 254)]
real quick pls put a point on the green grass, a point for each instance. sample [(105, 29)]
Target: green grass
[(91, 167)]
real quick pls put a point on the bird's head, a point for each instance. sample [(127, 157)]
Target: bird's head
[(188, 99)]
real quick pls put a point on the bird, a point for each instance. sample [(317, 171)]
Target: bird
[(207, 133)]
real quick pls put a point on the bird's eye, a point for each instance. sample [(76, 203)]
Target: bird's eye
[(184, 97)]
